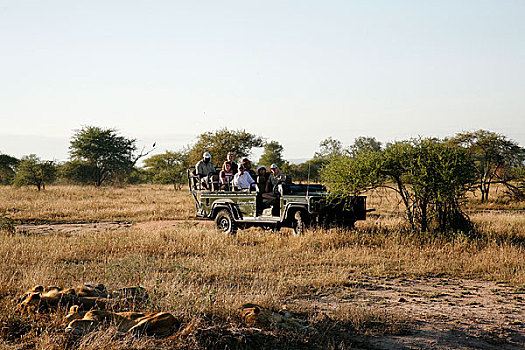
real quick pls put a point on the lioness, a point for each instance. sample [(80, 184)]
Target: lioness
[(159, 323), (256, 315), (40, 299)]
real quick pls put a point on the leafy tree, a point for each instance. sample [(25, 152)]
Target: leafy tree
[(8, 166), (365, 144), (167, 168), (429, 176), (33, 171), (222, 141), (329, 148), (99, 155), (517, 191), (273, 154), (494, 157), (76, 171), (439, 176), (307, 171)]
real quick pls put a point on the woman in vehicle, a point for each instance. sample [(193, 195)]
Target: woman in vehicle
[(226, 176), (262, 177)]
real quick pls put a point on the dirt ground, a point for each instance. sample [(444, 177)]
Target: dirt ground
[(441, 312)]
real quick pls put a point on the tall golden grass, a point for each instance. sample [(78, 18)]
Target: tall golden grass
[(59, 204), (197, 273)]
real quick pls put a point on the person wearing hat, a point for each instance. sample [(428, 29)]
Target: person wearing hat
[(204, 169), (242, 179), (275, 178), (248, 167)]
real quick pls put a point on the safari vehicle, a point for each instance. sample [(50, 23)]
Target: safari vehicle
[(298, 206)]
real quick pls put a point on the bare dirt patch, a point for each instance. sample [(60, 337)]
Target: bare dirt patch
[(35, 229), (442, 313)]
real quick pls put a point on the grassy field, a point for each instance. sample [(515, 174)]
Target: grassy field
[(202, 276), (58, 204)]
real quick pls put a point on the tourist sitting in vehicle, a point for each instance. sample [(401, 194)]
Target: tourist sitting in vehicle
[(248, 167), (234, 166), (274, 178), (242, 180), (226, 176), (262, 178), (206, 172)]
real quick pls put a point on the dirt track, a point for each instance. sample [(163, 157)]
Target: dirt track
[(30, 229), (443, 313)]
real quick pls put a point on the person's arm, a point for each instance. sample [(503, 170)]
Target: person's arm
[(198, 170), (250, 179)]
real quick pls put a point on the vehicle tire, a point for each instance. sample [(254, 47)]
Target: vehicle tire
[(299, 224), (224, 222)]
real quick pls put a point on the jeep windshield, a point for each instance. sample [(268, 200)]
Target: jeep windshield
[(302, 189)]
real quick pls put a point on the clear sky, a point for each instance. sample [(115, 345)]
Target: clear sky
[(292, 71)]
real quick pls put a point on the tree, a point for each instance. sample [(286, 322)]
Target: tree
[(222, 141), (273, 154), (329, 148), (307, 171), (8, 166), (167, 168), (33, 171), (494, 157), (365, 144), (76, 171), (98, 155), (430, 177)]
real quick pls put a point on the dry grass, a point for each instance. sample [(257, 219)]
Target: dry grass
[(198, 274), (91, 204)]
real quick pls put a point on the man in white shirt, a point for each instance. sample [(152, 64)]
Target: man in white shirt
[(242, 179)]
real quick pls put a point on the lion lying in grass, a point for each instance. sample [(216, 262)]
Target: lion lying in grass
[(40, 299), (138, 323), (254, 315), (87, 297)]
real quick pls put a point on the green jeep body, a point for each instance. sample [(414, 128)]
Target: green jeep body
[(298, 206)]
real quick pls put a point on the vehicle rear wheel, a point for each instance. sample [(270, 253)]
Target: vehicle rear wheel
[(224, 222), (299, 224)]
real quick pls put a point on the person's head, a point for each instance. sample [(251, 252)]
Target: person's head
[(247, 164), (227, 166), (241, 169), (229, 157), (206, 157), (274, 169), (261, 170)]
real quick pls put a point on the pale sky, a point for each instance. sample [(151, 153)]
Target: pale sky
[(295, 72)]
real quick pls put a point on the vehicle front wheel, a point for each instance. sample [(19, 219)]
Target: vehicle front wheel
[(224, 222), (299, 224)]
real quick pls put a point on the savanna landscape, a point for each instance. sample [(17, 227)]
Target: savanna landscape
[(281, 175), (379, 286)]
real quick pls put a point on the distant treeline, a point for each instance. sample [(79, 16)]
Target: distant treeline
[(101, 156)]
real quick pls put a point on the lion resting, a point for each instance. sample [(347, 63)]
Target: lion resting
[(87, 296), (254, 315), (138, 323), (40, 299)]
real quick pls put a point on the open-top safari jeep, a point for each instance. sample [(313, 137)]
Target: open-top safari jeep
[(298, 206)]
